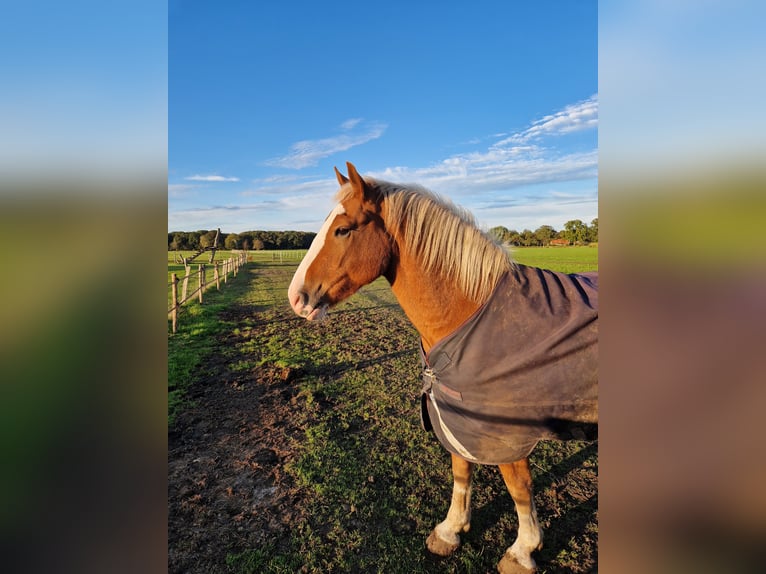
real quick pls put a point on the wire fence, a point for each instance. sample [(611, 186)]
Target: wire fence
[(203, 279), (275, 270)]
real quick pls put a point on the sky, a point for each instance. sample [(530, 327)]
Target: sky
[(83, 91), (492, 104)]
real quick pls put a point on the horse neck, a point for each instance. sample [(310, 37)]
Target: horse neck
[(434, 306)]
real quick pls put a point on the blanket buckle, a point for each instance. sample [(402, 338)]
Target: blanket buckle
[(429, 378)]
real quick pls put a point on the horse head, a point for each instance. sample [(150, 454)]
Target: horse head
[(351, 250)]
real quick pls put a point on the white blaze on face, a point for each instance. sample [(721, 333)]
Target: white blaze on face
[(296, 285)]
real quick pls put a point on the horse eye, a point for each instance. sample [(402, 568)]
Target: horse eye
[(342, 232)]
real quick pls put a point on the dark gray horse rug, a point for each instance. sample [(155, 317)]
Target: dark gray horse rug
[(523, 367)]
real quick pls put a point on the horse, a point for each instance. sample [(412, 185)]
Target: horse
[(509, 352)]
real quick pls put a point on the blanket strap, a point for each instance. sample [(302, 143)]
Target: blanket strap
[(429, 379)]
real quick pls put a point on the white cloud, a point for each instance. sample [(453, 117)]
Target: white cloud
[(307, 153), (525, 180), (172, 187), (498, 169), (573, 118), (298, 211), (282, 188), (179, 189), (350, 124), (519, 159), (217, 178)]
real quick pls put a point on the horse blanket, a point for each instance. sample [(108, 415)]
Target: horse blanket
[(522, 368)]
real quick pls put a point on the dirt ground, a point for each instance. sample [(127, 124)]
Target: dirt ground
[(225, 461)]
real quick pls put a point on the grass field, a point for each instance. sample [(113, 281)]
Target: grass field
[(221, 255), (297, 447), (567, 259)]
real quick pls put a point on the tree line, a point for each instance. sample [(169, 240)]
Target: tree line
[(195, 240), (575, 232)]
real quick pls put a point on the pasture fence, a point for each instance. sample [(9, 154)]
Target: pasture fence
[(221, 271)]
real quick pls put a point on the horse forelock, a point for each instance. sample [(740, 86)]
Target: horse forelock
[(443, 237)]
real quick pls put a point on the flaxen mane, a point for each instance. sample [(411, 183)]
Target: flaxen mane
[(442, 236)]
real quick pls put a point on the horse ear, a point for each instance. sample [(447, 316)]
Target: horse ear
[(357, 181), (361, 187), (342, 179)]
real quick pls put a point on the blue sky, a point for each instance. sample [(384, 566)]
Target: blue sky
[(493, 104), (84, 90)]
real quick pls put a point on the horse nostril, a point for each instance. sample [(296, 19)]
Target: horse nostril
[(304, 298)]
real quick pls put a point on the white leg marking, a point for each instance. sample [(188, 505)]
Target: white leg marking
[(458, 517), (529, 538)]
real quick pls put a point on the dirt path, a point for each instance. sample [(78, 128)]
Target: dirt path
[(226, 487)]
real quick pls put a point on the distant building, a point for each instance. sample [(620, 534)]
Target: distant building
[(559, 242)]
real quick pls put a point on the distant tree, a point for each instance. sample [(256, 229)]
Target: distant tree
[(286, 240), (211, 238), (499, 233), (192, 240), (231, 241), (576, 231), (177, 241), (294, 239), (306, 239), (265, 237), (269, 239), (528, 238), (246, 237), (544, 234), (593, 231)]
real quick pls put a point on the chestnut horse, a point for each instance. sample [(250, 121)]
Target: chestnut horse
[(443, 271)]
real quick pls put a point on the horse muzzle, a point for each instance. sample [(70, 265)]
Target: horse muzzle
[(314, 314), (308, 307)]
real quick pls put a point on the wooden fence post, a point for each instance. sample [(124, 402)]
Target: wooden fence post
[(201, 281), (186, 282), (231, 265), (174, 312)]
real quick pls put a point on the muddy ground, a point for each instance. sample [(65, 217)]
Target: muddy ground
[(227, 490)]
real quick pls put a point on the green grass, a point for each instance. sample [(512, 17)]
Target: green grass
[(267, 257), (576, 259), (193, 281), (372, 484), (189, 348), (270, 256)]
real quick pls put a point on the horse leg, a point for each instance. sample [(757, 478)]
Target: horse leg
[(445, 538), (517, 559)]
